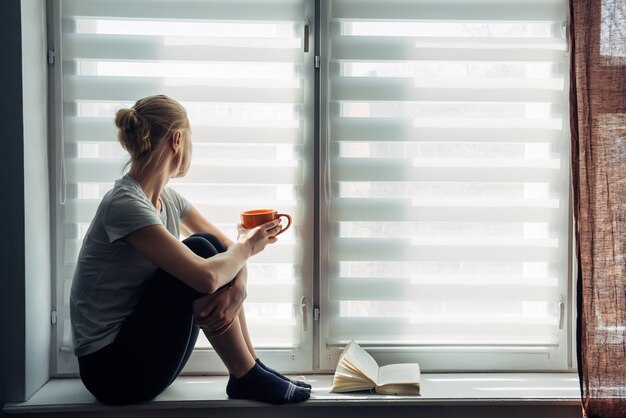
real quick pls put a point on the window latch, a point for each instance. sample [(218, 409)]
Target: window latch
[(304, 311), (305, 40), (561, 307), (561, 315)]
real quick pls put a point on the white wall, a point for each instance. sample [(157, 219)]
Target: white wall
[(36, 196)]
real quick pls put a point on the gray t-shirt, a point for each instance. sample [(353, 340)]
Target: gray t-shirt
[(110, 274)]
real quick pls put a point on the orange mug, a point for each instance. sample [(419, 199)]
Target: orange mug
[(254, 218)]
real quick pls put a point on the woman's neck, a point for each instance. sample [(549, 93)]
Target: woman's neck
[(151, 182)]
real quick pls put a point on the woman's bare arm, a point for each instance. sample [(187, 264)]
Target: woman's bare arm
[(204, 275)]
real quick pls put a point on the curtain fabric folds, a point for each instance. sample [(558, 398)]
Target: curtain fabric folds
[(598, 124)]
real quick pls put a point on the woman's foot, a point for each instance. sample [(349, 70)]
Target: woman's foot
[(261, 385), (295, 382)]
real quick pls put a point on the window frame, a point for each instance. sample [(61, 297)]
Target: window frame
[(203, 360), (314, 355), (450, 358)]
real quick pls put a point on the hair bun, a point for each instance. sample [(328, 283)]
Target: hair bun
[(133, 131)]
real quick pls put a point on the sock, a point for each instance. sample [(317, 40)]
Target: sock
[(260, 385), (295, 382)]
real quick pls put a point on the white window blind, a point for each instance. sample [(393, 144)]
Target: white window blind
[(239, 69), (447, 198)]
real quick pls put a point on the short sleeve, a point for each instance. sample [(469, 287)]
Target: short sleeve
[(126, 214)]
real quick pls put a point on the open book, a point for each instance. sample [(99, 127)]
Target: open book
[(357, 370)]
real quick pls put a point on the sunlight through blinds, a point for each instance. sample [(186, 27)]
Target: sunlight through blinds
[(447, 176), (237, 67)]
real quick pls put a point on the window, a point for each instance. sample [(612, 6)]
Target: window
[(239, 67), (447, 183), (443, 171)]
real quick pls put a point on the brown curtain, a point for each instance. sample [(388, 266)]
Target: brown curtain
[(598, 123)]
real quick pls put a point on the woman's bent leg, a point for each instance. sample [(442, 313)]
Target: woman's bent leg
[(148, 351), (153, 344)]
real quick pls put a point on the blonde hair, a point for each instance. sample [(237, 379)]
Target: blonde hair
[(148, 123)]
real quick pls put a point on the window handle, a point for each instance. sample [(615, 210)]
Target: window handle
[(561, 306), (304, 311), (305, 41)]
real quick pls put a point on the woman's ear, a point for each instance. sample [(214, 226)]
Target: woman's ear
[(177, 137)]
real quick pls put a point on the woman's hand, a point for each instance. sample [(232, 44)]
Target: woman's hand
[(257, 238), (216, 312)]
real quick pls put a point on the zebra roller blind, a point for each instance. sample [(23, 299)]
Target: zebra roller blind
[(447, 200), (238, 68)]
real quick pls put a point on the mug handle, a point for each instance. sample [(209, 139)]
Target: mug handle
[(278, 215)]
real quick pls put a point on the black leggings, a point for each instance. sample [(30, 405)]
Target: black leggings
[(155, 341)]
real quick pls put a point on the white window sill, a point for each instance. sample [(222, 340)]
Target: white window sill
[(62, 396)]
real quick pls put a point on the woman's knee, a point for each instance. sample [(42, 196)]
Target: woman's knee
[(201, 246), (219, 246)]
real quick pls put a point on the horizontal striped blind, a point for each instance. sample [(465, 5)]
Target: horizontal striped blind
[(447, 192), (237, 68)]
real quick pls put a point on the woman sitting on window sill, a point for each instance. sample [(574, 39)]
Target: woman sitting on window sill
[(140, 295)]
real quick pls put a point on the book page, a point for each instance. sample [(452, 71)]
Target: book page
[(399, 374), (345, 380), (347, 373), (360, 360)]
